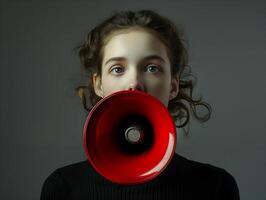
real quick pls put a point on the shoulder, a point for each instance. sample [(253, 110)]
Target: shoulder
[(195, 168), (207, 177), (200, 169), (73, 170), (205, 169), (60, 183)]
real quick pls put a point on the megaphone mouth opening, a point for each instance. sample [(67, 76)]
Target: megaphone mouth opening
[(135, 134), (129, 137)]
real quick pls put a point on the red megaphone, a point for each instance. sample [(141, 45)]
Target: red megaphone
[(129, 137)]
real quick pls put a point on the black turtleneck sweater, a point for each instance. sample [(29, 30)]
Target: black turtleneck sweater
[(183, 179)]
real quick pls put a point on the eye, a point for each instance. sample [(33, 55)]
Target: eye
[(152, 68), (116, 70)]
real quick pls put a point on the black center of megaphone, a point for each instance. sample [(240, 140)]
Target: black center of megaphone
[(135, 134)]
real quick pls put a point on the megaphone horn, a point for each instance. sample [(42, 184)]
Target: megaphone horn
[(129, 137)]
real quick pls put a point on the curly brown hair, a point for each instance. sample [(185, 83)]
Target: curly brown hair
[(91, 54)]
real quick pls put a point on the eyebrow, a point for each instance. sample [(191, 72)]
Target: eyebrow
[(145, 58)]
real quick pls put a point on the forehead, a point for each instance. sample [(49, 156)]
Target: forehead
[(134, 44)]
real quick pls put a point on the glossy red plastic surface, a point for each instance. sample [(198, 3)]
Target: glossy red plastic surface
[(102, 150)]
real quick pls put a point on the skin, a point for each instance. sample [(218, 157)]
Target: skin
[(136, 70)]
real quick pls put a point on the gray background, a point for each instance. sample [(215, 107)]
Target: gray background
[(42, 120)]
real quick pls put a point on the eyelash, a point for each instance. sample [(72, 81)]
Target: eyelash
[(120, 66), (157, 67), (115, 68)]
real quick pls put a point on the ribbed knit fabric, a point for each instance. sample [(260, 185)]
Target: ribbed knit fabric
[(183, 179)]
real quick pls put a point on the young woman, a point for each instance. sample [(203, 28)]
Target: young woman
[(141, 51)]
